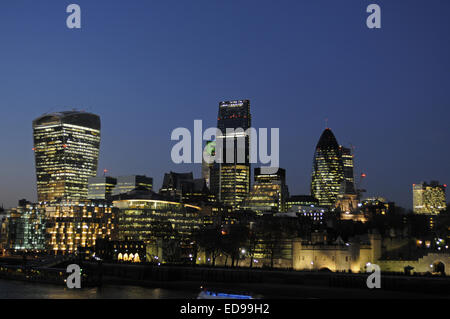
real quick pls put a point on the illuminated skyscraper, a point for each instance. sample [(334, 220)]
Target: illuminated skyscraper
[(234, 175), (269, 193), (66, 146), (328, 171), (347, 199), (429, 198), (349, 179)]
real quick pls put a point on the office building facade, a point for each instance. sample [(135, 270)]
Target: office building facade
[(165, 226), (301, 200), (234, 119), (328, 171), (348, 184), (101, 187), (126, 184), (26, 228), (66, 147), (73, 225), (429, 198), (174, 183), (269, 192)]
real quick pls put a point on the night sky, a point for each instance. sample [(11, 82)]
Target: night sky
[(147, 67)]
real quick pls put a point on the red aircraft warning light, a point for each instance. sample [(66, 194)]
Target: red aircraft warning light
[(363, 175)]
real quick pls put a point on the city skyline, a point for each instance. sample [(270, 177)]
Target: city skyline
[(387, 113), (198, 167)]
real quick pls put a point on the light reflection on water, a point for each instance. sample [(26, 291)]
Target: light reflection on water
[(25, 290)]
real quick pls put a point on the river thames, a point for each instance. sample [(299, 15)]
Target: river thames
[(26, 290)]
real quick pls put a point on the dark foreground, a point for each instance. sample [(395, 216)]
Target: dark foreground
[(10, 289), (126, 281)]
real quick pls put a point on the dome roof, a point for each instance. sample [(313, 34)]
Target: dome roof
[(327, 140)]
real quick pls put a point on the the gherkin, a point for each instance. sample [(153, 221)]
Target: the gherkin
[(328, 171)]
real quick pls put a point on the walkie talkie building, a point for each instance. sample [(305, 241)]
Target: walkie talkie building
[(66, 146)]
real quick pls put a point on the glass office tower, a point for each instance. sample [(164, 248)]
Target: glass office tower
[(126, 184), (101, 187), (66, 146), (233, 175), (429, 198), (347, 162), (269, 193), (26, 227), (328, 170)]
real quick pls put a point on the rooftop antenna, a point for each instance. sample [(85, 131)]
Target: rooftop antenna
[(326, 123)]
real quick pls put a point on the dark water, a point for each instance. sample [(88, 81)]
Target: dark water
[(25, 290)]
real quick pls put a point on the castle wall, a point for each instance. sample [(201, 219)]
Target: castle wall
[(422, 265), (332, 257)]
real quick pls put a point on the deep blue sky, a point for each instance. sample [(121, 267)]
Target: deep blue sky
[(147, 67)]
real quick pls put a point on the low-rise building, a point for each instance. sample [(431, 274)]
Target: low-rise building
[(121, 251), (128, 183), (71, 225), (269, 193), (337, 255), (25, 227), (163, 225), (101, 187), (301, 200)]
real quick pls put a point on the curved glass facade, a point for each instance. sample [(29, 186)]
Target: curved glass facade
[(328, 170), (66, 147), (146, 220)]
